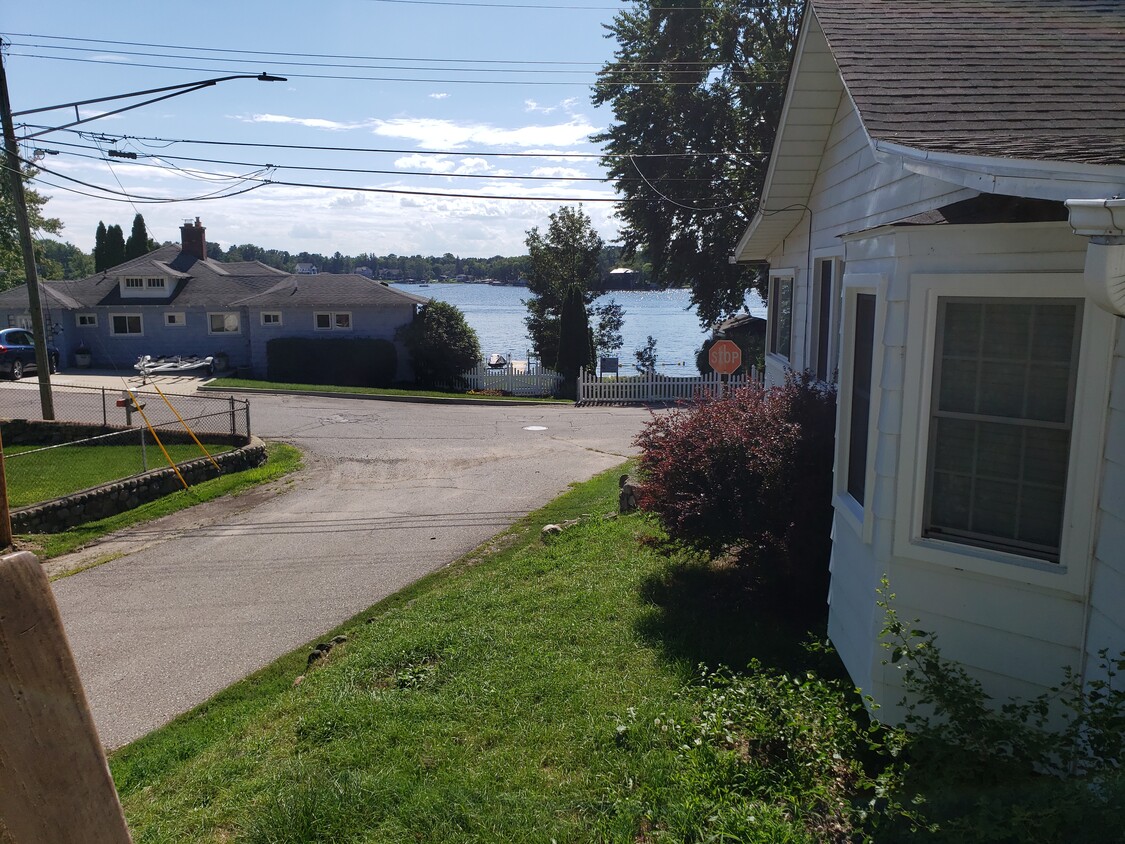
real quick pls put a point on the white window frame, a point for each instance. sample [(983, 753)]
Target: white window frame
[(858, 516), (175, 319), (224, 315), (133, 283), (1091, 401), (156, 283), (773, 293), (276, 323), (86, 320), (113, 332), (333, 316)]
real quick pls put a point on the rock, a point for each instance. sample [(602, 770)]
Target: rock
[(339, 640), (299, 680), (314, 656), (551, 530), (324, 647), (627, 497)]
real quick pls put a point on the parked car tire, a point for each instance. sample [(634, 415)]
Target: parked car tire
[(17, 370)]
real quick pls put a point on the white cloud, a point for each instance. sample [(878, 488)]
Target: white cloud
[(446, 134), (439, 96), (356, 200), (533, 107), (309, 122), (432, 163), (558, 172), (471, 166)]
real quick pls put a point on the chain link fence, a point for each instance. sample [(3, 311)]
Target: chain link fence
[(100, 435)]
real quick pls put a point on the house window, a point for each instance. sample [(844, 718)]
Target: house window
[(335, 321), (271, 318), (134, 283), (223, 323), (859, 395), (122, 325), (781, 317), (154, 283), (175, 318), (1000, 423), (86, 320), (825, 292)]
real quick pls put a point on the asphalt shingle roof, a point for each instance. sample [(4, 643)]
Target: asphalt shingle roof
[(328, 290), (1029, 79)]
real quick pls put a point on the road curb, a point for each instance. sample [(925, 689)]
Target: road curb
[(328, 394)]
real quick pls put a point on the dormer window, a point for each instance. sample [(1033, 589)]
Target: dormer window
[(144, 286)]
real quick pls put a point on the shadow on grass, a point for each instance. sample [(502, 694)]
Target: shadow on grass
[(720, 613)]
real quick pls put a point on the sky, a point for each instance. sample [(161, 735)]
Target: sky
[(444, 97)]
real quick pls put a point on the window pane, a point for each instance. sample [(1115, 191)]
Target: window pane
[(1000, 480), (343, 320), (323, 320), (860, 398)]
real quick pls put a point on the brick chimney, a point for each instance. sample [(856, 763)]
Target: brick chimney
[(193, 239)]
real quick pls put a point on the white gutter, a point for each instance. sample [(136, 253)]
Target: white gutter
[(1103, 222), (1058, 180)]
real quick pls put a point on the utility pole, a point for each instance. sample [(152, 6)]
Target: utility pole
[(15, 178)]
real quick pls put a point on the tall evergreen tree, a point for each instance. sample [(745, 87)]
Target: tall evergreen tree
[(99, 248), (575, 343), (137, 244), (114, 246), (566, 255), (696, 88)]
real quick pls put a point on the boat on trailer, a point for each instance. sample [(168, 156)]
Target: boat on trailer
[(167, 364)]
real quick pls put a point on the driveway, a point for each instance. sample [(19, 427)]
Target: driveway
[(391, 491)]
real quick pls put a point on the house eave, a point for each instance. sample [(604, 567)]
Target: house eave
[(1058, 180)]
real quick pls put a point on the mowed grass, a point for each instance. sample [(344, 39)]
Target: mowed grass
[(281, 460), (480, 704), (41, 474)]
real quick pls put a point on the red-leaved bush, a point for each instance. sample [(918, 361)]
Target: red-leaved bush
[(750, 473)]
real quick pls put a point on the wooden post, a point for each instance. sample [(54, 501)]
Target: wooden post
[(54, 780)]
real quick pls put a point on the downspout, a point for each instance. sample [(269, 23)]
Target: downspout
[(1102, 222)]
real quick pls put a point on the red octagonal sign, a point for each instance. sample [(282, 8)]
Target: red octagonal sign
[(725, 357)]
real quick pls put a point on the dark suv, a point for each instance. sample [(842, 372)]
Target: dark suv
[(17, 353)]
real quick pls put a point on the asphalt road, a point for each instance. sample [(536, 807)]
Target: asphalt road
[(391, 492)]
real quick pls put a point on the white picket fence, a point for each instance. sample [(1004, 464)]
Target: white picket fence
[(519, 379), (654, 387)]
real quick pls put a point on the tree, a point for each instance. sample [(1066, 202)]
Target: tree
[(11, 251), (611, 319), (646, 357), (565, 256), (440, 343), (575, 346), (63, 260), (137, 244), (696, 91), (114, 246), (99, 248)]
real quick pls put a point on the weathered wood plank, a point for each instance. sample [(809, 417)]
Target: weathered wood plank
[(55, 784)]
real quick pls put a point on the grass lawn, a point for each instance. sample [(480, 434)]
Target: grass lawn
[(282, 459), (484, 703), (36, 474), (250, 384)]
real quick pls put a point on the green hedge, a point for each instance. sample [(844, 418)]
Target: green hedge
[(347, 362)]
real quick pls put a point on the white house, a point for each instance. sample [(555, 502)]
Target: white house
[(944, 231)]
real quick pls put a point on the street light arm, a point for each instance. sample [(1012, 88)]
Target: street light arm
[(261, 77)]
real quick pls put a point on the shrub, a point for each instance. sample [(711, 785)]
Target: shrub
[(750, 472), (1043, 770), (441, 344), (342, 362)]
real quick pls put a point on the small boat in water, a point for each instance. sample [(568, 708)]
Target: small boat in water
[(497, 362)]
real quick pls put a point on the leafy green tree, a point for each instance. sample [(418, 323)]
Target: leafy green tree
[(137, 244), (610, 321), (565, 255), (696, 89), (11, 252), (114, 246), (646, 357), (63, 260), (440, 343)]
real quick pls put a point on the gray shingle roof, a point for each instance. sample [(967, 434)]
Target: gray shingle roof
[(329, 290), (1029, 79)]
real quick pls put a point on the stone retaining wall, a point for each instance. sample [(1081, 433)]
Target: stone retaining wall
[(111, 499)]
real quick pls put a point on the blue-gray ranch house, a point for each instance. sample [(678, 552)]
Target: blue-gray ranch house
[(176, 301)]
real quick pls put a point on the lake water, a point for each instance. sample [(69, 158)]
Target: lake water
[(497, 314)]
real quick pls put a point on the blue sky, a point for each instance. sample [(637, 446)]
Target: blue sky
[(493, 79)]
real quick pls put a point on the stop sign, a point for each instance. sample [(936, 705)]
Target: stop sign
[(725, 357)]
